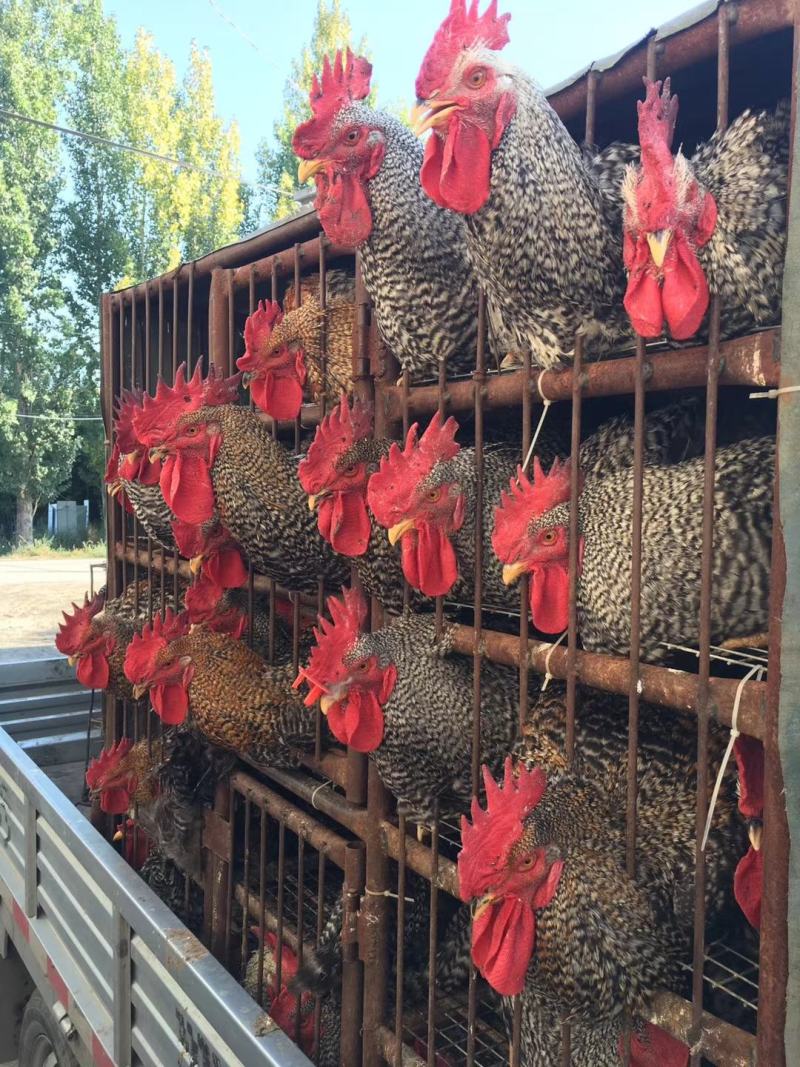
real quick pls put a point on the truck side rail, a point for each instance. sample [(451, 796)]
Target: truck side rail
[(129, 980)]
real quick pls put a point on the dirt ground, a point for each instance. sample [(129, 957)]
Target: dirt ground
[(33, 593)]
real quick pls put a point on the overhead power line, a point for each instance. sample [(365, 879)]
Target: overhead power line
[(236, 28), (97, 139), (60, 418)]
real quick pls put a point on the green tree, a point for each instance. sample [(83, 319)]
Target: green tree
[(37, 367), (276, 163)]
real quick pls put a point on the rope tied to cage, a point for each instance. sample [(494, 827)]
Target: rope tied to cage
[(546, 402), (729, 749), (548, 677), (773, 394), (387, 893), (322, 785)]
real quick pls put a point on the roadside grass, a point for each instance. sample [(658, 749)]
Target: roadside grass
[(48, 547)]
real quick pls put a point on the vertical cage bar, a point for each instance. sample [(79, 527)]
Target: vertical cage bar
[(433, 938), (190, 320), (480, 382), (352, 968), (298, 299), (401, 958), (574, 534)]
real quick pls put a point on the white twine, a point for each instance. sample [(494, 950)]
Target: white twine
[(731, 741), (322, 785), (773, 394), (387, 893), (548, 677), (545, 408)]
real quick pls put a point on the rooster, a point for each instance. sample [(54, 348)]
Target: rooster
[(366, 167), (261, 974), (716, 222), (283, 349), (96, 634), (425, 494), (748, 882), (335, 473), (169, 883), (222, 461), (557, 918), (542, 228), (225, 690), (531, 535), (395, 694)]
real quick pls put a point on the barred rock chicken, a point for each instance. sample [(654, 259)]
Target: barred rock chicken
[(223, 461), (531, 535), (168, 882), (425, 494), (395, 694), (366, 167), (96, 634), (334, 473), (557, 919), (717, 221), (212, 552), (225, 689), (284, 349), (542, 230)]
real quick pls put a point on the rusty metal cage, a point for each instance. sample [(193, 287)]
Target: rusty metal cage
[(281, 847)]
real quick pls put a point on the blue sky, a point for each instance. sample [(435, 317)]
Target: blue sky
[(550, 40)]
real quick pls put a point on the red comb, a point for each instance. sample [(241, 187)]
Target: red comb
[(114, 800), (525, 501), (142, 652), (336, 434), (339, 85), (334, 637), (75, 628), (203, 605), (493, 831), (463, 28), (749, 754), (401, 471), (257, 332), (124, 431), (160, 412), (658, 113)]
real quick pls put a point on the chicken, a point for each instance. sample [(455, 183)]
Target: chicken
[(96, 634), (366, 167), (334, 473), (222, 461), (749, 878), (165, 785), (212, 552), (225, 690), (542, 225), (557, 919), (531, 535), (169, 883), (395, 694), (425, 494), (261, 982), (284, 349), (716, 222)]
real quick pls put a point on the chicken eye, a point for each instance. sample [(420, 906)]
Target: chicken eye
[(351, 136), (549, 537), (525, 864), (363, 666), (191, 430), (476, 77), (351, 470), (434, 494)]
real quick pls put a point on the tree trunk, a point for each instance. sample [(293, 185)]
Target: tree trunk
[(24, 518)]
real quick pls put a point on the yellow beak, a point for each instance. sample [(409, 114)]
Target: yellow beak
[(326, 703), (157, 453), (659, 243), (513, 571), (431, 113), (307, 168), (139, 691), (195, 563), (397, 531), (312, 502), (754, 832), (72, 660), (118, 836), (483, 904)]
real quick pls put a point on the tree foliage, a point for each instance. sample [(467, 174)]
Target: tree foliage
[(276, 163)]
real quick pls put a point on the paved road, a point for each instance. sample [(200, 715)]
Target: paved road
[(33, 593)]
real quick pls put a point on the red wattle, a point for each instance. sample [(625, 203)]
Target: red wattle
[(749, 755), (503, 939), (343, 521), (748, 882), (115, 801), (456, 175), (429, 560), (344, 210), (549, 597), (282, 395), (655, 1048), (226, 568), (93, 670), (170, 703), (643, 295), (357, 721), (685, 289), (187, 488)]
